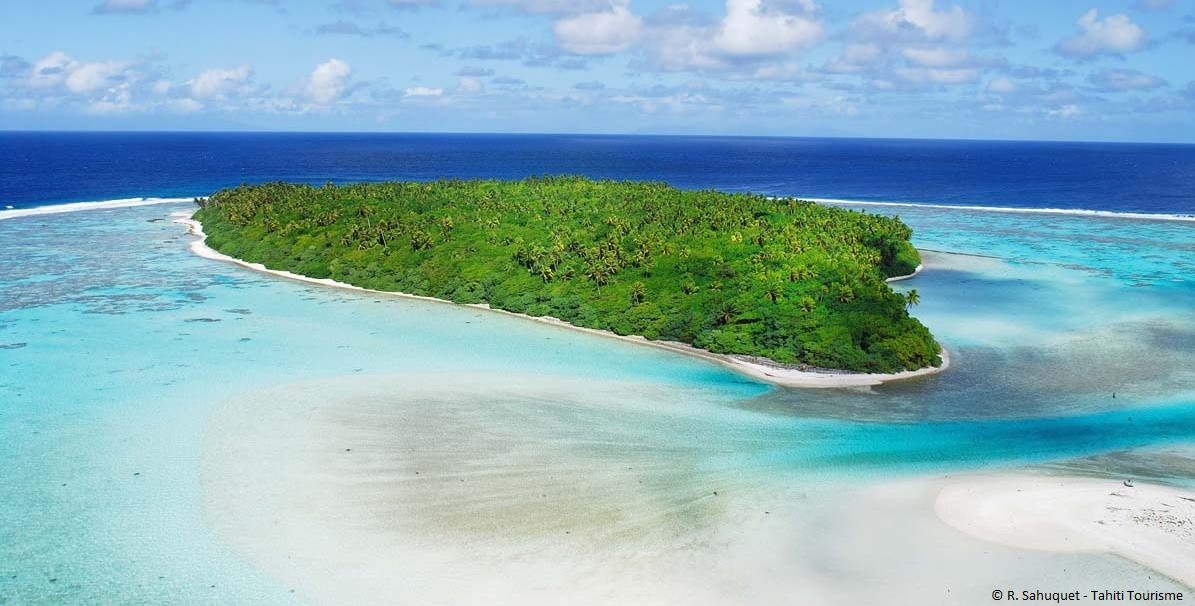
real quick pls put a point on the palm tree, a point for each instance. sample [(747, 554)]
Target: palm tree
[(727, 313), (772, 292), (598, 273), (638, 293), (912, 298)]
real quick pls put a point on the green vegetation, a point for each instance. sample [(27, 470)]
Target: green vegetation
[(787, 280)]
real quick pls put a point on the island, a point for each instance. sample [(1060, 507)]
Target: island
[(772, 282)]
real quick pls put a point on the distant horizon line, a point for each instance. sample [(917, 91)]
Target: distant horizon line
[(577, 134)]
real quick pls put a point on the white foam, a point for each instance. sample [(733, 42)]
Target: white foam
[(1008, 209), (55, 209)]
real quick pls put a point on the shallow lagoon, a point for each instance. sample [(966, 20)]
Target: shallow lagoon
[(121, 354)]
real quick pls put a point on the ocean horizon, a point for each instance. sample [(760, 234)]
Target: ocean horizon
[(177, 426), (53, 167)]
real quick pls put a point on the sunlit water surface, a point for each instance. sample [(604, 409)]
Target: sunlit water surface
[(120, 352)]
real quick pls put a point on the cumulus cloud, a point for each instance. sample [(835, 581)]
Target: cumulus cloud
[(914, 19), (755, 39), (1114, 35), (855, 58), (929, 75), (1064, 112), (328, 81), (125, 6), (914, 46), (185, 105), (547, 6), (531, 54), (344, 27), (422, 91), (937, 56), (469, 86), (1116, 80), (116, 100), (752, 28), (412, 4), (12, 66), (59, 69), (91, 77), (219, 82), (1002, 86), (51, 70), (599, 33), (471, 71), (1154, 5)]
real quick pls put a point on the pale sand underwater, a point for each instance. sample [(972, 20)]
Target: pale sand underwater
[(522, 489), (539, 490)]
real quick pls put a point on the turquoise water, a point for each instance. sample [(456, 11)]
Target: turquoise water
[(117, 344)]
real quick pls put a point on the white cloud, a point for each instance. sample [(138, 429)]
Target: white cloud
[(937, 57), (929, 75), (126, 6), (117, 100), (918, 18), (548, 6), (855, 58), (51, 70), (1064, 112), (413, 3), (185, 105), (469, 85), (756, 39), (1115, 80), (79, 77), (912, 46), (422, 91), (1114, 35), (219, 82), (328, 81), (90, 77), (599, 33), (839, 104), (1002, 86), (1154, 5), (952, 24), (752, 28)]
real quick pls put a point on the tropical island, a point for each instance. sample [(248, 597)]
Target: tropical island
[(782, 282)]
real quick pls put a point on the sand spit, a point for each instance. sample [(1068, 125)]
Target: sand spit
[(1149, 524), (15, 213)]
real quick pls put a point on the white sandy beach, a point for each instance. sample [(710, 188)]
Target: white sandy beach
[(775, 374), (516, 489), (14, 213), (1146, 523)]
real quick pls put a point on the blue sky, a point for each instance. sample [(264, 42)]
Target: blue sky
[(1071, 70)]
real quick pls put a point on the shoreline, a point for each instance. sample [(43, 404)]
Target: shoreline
[(1150, 524), (768, 373), (916, 270), (1074, 212), (69, 207)]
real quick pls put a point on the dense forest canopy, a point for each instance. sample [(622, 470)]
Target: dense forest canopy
[(783, 279)]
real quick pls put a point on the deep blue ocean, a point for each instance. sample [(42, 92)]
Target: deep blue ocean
[(38, 168), (180, 430)]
